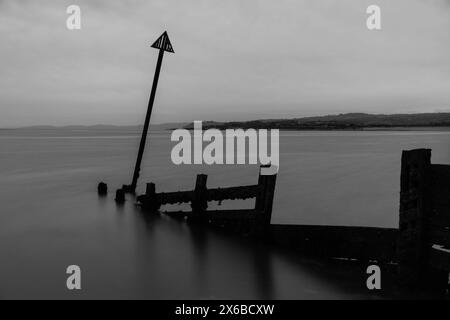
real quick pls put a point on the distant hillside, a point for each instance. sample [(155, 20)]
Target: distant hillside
[(80, 131), (99, 127), (347, 121)]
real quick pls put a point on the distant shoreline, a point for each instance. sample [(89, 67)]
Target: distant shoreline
[(137, 130), (360, 129), (340, 122), (347, 121)]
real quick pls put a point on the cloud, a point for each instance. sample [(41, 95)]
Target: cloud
[(233, 60)]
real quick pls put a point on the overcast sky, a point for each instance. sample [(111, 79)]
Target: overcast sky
[(233, 60)]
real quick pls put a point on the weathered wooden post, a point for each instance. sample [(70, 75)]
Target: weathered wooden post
[(414, 223), (264, 200), (151, 201), (150, 189), (102, 189), (260, 197), (199, 203), (120, 196), (268, 199)]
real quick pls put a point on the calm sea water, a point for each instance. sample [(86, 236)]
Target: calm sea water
[(51, 216)]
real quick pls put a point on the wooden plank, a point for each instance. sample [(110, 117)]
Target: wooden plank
[(174, 197), (232, 193), (216, 194), (439, 259)]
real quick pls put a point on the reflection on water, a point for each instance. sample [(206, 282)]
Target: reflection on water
[(51, 217)]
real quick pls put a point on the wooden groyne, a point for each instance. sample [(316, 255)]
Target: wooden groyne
[(417, 247), (424, 226), (244, 221)]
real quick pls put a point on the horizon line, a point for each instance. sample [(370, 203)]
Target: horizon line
[(184, 122)]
